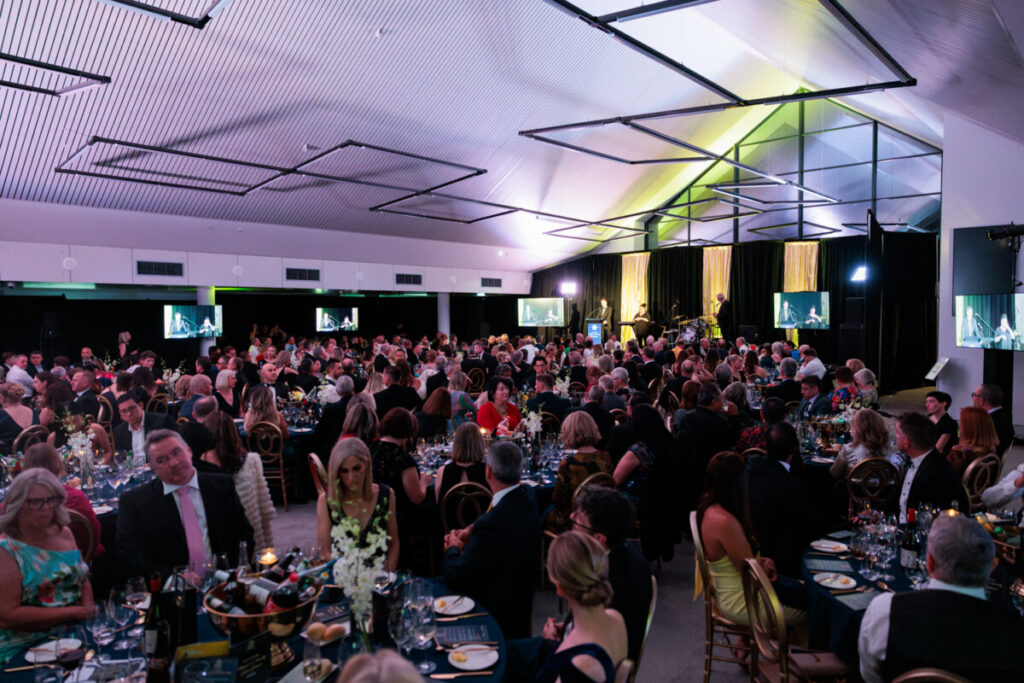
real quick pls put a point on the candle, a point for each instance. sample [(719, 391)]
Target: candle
[(268, 557), (483, 431)]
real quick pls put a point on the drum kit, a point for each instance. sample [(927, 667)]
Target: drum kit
[(690, 330)]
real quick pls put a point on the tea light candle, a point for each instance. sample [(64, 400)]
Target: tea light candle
[(483, 431), (268, 558)]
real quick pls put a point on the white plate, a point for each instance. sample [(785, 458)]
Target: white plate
[(833, 580), (829, 546), (453, 604), (302, 430), (822, 461), (477, 657), (102, 509), (47, 652)]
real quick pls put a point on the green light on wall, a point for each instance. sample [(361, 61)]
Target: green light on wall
[(58, 285)]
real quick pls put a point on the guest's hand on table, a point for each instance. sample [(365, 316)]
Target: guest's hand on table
[(553, 630), (768, 565), (1019, 481)]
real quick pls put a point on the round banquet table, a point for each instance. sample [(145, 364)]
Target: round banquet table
[(206, 633)]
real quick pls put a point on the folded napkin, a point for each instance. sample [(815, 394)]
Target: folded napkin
[(857, 601), (827, 565)]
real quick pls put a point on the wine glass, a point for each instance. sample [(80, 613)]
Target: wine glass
[(887, 549), (134, 596), (424, 629), (871, 549), (311, 661), (400, 627), (121, 614), (103, 627), (70, 655)]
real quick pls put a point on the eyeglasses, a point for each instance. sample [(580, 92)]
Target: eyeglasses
[(975, 395), (42, 503), (574, 516)]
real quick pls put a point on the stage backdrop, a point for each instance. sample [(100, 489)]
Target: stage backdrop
[(717, 265), (675, 274), (634, 289), (756, 274), (595, 277)]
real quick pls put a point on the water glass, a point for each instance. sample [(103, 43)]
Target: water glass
[(103, 627), (311, 661)]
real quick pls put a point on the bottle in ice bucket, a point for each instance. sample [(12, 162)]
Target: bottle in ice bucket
[(285, 596)]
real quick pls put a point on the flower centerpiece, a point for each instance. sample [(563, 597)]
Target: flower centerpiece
[(562, 386), (80, 446), (359, 561), (532, 424)]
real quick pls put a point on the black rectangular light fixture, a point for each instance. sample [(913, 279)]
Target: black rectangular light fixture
[(157, 12), (87, 80)]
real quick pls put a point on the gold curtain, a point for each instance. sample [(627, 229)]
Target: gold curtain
[(800, 273), (717, 264), (634, 290)]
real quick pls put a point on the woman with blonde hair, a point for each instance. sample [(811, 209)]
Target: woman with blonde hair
[(263, 409), (374, 383), (462, 402), (977, 437), (855, 365), (870, 436), (182, 388), (579, 432), (361, 420), (14, 417), (383, 666), (467, 461), (228, 398), (351, 493), (578, 567), (246, 469), (43, 581)]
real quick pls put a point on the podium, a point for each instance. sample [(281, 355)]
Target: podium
[(594, 328)]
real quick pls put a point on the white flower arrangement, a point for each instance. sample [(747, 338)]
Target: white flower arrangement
[(562, 386), (327, 393), (532, 423), (356, 566)]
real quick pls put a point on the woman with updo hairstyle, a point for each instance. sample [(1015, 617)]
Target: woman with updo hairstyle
[(14, 417), (578, 567)]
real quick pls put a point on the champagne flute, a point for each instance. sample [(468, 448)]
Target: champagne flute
[(311, 661), (135, 595), (121, 614)]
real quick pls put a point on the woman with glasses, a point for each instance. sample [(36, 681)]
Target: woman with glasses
[(43, 581)]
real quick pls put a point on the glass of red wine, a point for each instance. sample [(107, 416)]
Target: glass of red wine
[(72, 644)]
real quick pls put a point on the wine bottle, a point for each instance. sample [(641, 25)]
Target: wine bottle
[(221, 606), (158, 652), (285, 596), (910, 546), (279, 572)]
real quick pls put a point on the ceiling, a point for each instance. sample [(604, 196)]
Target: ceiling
[(283, 86)]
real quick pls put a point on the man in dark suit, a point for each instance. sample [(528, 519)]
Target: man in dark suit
[(547, 400), (594, 406), (929, 478), (200, 386), (395, 395), (495, 560), (270, 378), (380, 361), (130, 434), (198, 436), (781, 509), (348, 367), (180, 517), (604, 312), (440, 378), (814, 403), (950, 625), (538, 367), (35, 364), (474, 360), (724, 316), (612, 401), (708, 428), (622, 436), (650, 370), (577, 373), (85, 397), (332, 418), (989, 397), (787, 388)]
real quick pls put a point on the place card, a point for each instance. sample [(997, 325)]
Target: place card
[(253, 658), (827, 565), (463, 633), (857, 601)]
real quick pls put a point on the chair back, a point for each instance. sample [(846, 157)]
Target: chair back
[(624, 671), (670, 400), (577, 388), (106, 413), (244, 399), (619, 415), (265, 438), (870, 483), (753, 451), (28, 436), (767, 622), (596, 479), (791, 407), (181, 421), (647, 629), (550, 423), (158, 403), (316, 468), (702, 561), (979, 475), (85, 536), (476, 381), (929, 676), (463, 504)]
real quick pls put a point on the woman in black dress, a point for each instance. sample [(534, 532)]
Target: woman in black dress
[(467, 461)]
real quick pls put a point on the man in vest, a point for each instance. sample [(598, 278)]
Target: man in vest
[(950, 625)]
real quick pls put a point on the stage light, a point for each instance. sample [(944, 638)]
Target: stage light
[(567, 288), (860, 275)]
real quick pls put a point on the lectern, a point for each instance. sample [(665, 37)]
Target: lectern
[(593, 329)]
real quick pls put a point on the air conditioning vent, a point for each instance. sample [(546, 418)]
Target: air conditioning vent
[(160, 268), (490, 282), (303, 274), (408, 279)]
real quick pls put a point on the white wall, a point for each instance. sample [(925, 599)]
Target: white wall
[(981, 186), (37, 238)]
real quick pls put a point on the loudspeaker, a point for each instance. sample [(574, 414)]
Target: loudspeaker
[(851, 341), (855, 310), (51, 325), (748, 332)]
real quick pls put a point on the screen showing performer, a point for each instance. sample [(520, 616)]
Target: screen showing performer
[(990, 321), (192, 322), (549, 312), (337, 319), (802, 310)]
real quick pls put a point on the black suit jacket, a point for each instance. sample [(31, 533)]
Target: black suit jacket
[(936, 482), (549, 402), (630, 577), (328, 429), (819, 405), (578, 373), (781, 509), (396, 396), (150, 422), (88, 402), (498, 566), (709, 434), (788, 390), (1004, 429), (151, 536), (380, 362), (650, 370), (470, 363), (436, 381)]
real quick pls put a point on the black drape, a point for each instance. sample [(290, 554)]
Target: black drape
[(909, 309), (675, 273), (595, 277), (755, 275)]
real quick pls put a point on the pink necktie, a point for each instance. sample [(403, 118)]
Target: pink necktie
[(193, 534)]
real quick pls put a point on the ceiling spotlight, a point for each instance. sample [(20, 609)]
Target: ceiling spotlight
[(237, 270), (69, 263), (501, 252), (860, 275)]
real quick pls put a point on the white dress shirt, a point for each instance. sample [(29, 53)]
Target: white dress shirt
[(197, 503), (1005, 492), (874, 628), (138, 438), (813, 367), (16, 374), (908, 481)]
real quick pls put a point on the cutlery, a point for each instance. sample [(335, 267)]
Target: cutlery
[(464, 642), (884, 586), (27, 668), (448, 677), (463, 616), (476, 648), (844, 591)]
